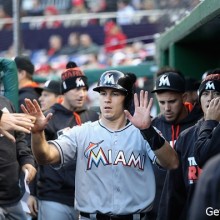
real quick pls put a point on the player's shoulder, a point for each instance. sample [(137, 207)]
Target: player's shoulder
[(192, 130)]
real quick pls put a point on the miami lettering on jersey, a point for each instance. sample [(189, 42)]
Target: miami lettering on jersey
[(193, 170), (96, 155)]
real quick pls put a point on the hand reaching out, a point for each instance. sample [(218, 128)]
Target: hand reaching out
[(15, 122), (33, 108), (141, 118)]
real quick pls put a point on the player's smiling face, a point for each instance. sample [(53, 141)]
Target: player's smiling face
[(111, 103)]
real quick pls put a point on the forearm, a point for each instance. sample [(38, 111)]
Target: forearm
[(44, 153), (166, 155)]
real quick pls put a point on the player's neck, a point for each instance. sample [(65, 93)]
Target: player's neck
[(114, 125)]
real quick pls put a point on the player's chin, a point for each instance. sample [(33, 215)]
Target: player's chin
[(170, 118), (107, 115)]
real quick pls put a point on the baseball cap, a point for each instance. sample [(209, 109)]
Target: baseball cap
[(53, 86), (170, 81), (211, 82), (24, 63), (73, 77)]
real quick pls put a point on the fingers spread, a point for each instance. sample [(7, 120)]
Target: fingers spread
[(36, 105), (145, 99), (150, 104), (136, 102), (24, 109)]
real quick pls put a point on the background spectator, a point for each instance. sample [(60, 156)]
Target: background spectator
[(55, 45), (87, 46), (48, 11), (125, 12), (51, 94), (115, 39), (6, 12), (72, 46)]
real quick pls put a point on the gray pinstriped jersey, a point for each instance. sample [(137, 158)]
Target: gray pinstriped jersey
[(113, 171)]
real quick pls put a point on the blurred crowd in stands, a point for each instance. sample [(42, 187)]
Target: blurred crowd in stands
[(125, 9), (116, 50), (37, 7)]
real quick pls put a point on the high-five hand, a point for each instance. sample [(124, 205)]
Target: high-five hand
[(33, 108), (141, 118)]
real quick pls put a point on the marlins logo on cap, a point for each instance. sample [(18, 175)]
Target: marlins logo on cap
[(164, 81), (109, 79), (80, 82), (73, 78), (209, 85), (170, 81), (113, 79), (211, 82)]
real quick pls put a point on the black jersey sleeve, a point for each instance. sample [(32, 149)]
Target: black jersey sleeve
[(208, 142)]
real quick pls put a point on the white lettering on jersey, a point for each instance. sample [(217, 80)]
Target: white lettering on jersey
[(193, 170), (210, 86), (79, 82), (136, 161), (109, 79), (164, 81), (100, 157), (120, 158), (192, 161)]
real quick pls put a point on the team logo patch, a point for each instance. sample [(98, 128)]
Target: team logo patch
[(109, 79), (79, 82), (164, 81), (209, 85), (91, 147)]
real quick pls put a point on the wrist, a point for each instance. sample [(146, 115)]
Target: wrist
[(155, 140)]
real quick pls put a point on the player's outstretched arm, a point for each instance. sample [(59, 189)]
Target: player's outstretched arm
[(167, 156), (44, 153)]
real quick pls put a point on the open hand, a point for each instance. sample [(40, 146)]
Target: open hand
[(141, 118), (33, 108), (15, 122)]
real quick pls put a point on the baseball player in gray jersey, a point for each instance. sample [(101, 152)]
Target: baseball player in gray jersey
[(114, 176)]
